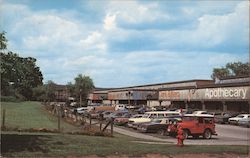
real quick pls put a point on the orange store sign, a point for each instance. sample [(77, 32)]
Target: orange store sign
[(169, 95)]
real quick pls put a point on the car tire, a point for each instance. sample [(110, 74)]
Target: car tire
[(185, 133), (207, 134), (161, 132)]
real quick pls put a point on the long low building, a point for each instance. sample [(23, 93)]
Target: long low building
[(227, 94)]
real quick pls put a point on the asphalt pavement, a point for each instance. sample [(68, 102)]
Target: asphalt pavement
[(227, 135)]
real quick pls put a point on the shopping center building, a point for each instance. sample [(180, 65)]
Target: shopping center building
[(227, 94)]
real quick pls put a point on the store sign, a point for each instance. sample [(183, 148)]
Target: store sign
[(226, 93)]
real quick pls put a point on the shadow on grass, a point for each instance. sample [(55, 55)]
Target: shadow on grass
[(13, 143)]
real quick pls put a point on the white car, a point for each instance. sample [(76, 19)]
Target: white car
[(148, 116), (201, 113), (235, 120), (81, 110)]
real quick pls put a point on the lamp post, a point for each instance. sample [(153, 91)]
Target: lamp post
[(80, 97), (129, 94), (149, 98)]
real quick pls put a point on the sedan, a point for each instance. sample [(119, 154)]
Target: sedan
[(235, 120), (223, 117), (244, 122), (155, 126)]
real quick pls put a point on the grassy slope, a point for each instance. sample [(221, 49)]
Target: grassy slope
[(58, 145), (25, 115)]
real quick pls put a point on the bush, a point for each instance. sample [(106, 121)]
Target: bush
[(9, 99)]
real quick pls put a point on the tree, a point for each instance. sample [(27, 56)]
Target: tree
[(83, 86), (232, 69), (20, 74), (220, 73), (45, 92), (238, 68), (3, 41), (71, 89)]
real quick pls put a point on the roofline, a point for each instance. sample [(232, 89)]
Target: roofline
[(156, 84), (208, 86)]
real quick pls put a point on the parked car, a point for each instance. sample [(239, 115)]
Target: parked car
[(122, 120), (148, 116), (235, 120), (106, 114), (95, 114), (116, 114), (155, 126), (81, 110), (223, 117), (202, 112), (244, 122), (120, 107), (198, 125), (141, 110)]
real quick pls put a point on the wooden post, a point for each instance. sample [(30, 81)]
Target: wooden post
[(112, 121), (90, 122), (3, 120), (100, 125), (59, 120)]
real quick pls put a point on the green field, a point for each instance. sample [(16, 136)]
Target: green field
[(26, 115), (32, 115)]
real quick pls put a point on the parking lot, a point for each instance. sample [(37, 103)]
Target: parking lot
[(227, 135)]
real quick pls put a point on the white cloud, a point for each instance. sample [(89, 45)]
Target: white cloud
[(228, 30), (133, 12), (109, 22), (217, 29)]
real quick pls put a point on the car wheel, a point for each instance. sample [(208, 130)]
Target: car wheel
[(185, 133), (161, 132), (207, 134)]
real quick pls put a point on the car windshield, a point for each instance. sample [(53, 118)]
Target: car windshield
[(145, 116), (240, 116)]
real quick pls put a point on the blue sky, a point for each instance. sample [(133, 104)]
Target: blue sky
[(126, 43)]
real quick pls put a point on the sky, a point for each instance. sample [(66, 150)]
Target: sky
[(127, 43)]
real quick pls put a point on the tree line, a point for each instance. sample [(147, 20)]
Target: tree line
[(231, 70)]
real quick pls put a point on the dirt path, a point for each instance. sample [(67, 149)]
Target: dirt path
[(139, 135)]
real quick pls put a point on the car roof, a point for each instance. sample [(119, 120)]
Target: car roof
[(199, 115)]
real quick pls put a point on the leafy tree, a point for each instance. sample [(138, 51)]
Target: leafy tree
[(71, 89), (220, 73), (238, 68), (83, 86), (3, 41), (45, 92), (39, 93), (232, 69), (18, 75)]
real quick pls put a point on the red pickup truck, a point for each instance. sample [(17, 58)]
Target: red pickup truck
[(196, 125)]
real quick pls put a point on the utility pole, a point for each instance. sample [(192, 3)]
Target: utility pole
[(80, 97)]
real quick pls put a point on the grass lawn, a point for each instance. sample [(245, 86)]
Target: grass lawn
[(25, 115), (62, 145)]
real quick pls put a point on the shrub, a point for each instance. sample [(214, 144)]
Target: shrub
[(9, 99)]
